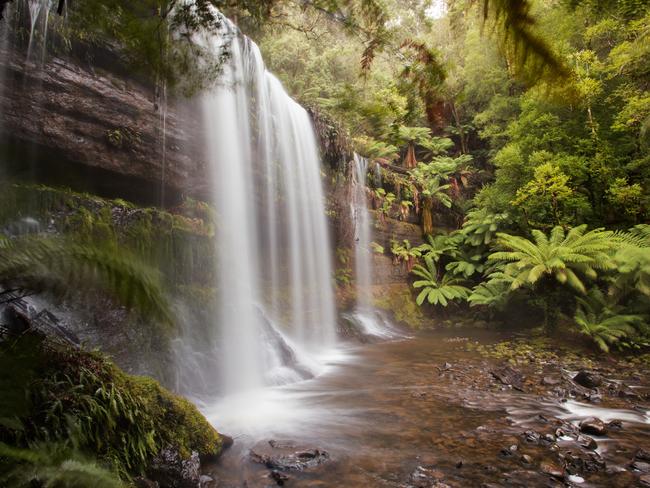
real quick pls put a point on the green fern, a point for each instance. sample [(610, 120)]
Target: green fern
[(437, 246), (562, 256), (59, 266), (490, 293), (437, 291), (602, 322), (53, 465)]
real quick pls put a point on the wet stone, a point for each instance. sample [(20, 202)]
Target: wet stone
[(423, 477), (526, 459), (553, 470), (509, 376), (587, 442), (615, 424), (644, 480), (279, 477), (584, 462), (287, 456), (593, 426), (531, 437), (588, 379), (641, 466), (642, 454), (207, 481), (550, 381)]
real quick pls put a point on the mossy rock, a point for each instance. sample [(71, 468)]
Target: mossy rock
[(123, 421)]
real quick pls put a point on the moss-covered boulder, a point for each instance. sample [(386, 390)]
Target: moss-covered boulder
[(56, 393)]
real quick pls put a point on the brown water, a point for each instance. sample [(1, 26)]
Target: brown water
[(395, 415)]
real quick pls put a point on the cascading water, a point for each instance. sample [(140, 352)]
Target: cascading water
[(35, 7), (275, 300), (369, 320), (362, 232)]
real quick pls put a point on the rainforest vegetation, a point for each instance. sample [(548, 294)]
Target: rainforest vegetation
[(518, 133), (514, 135)]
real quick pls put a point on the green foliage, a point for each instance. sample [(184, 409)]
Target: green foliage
[(404, 252), (466, 263), (563, 256), (55, 465), (626, 198), (59, 266), (547, 193), (480, 226), (72, 405), (437, 246), (490, 293), (604, 323), (437, 290)]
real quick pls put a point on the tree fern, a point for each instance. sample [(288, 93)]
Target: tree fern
[(437, 291), (490, 293), (516, 25), (437, 246), (602, 322), (563, 256)]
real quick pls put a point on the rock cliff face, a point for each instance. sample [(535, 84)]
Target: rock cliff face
[(94, 129), (66, 117)]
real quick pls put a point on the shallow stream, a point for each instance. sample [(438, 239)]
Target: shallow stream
[(417, 412)]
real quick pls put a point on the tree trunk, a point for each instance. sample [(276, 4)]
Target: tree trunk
[(410, 161), (427, 216)]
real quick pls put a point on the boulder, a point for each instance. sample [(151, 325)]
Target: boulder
[(641, 466), (587, 442), (283, 456), (588, 379), (642, 455), (593, 426), (552, 470), (170, 470), (509, 376)]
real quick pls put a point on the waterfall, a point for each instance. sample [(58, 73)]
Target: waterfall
[(362, 233), (369, 320), (35, 7), (275, 298)]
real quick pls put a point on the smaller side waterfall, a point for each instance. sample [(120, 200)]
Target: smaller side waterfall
[(370, 321), (362, 233)]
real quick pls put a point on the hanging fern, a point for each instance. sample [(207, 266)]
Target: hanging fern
[(59, 266)]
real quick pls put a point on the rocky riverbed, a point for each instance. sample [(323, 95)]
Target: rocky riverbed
[(447, 409)]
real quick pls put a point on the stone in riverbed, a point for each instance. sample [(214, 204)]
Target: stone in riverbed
[(526, 459), (588, 379), (615, 424), (550, 381), (593, 426), (642, 454), (645, 480), (584, 462), (552, 470), (641, 466), (423, 477), (172, 471), (279, 477), (587, 442), (509, 376), (287, 456), (208, 481), (531, 437)]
